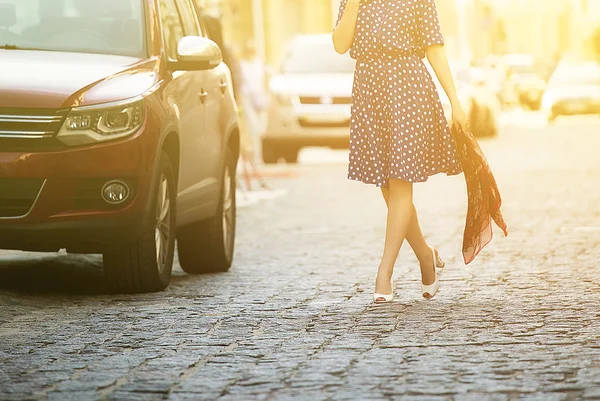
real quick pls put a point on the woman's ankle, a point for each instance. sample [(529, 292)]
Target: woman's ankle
[(385, 272), (424, 255)]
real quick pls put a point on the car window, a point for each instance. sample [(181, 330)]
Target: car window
[(203, 30), (186, 11), (172, 26), (82, 26)]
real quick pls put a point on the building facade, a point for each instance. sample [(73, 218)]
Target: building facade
[(269, 24), (472, 28), (545, 28)]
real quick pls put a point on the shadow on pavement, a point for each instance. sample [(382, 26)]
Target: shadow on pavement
[(52, 273)]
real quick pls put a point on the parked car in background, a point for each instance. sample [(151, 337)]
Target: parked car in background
[(523, 84), (118, 134), (311, 99), (479, 102), (573, 88), (485, 107), (529, 86)]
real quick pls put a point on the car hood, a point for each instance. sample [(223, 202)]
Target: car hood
[(313, 84), (42, 79)]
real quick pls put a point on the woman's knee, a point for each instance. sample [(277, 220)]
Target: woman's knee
[(400, 188)]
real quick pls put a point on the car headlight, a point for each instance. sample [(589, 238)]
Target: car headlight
[(104, 122)]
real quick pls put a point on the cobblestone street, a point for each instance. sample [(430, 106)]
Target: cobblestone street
[(293, 319)]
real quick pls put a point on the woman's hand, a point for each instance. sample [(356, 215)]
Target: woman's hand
[(459, 118)]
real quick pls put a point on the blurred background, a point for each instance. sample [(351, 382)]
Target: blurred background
[(295, 92), (473, 29)]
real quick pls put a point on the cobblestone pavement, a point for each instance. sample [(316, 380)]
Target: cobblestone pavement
[(293, 319)]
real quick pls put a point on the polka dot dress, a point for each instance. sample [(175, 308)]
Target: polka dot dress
[(398, 128)]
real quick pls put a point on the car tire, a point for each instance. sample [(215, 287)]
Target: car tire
[(290, 154), (145, 264), (207, 246), (491, 128), (474, 124), (270, 154)]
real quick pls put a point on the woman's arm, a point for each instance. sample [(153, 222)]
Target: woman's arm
[(343, 35), (438, 60)]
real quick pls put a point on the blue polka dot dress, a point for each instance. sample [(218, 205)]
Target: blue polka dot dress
[(398, 128)]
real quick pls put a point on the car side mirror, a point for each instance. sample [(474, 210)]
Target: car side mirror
[(197, 53)]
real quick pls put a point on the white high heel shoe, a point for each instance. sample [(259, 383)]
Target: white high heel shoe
[(387, 297), (430, 290)]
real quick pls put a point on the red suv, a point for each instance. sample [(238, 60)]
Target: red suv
[(118, 135)]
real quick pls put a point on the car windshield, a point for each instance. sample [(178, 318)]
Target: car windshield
[(84, 26), (316, 58)]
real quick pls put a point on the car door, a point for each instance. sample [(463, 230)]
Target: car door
[(217, 86), (195, 180)]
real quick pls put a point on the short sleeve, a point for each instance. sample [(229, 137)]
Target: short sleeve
[(429, 25), (340, 12)]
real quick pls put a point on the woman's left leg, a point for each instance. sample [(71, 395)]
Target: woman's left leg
[(417, 242)]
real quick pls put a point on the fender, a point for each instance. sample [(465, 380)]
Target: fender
[(170, 126)]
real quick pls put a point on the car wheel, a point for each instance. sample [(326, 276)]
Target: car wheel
[(290, 154), (492, 125), (269, 152), (474, 124), (145, 264), (207, 246)]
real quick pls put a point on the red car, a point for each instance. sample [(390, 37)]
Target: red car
[(118, 135)]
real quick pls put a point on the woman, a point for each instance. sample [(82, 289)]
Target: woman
[(398, 133)]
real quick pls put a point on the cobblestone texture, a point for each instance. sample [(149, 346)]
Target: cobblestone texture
[(293, 319)]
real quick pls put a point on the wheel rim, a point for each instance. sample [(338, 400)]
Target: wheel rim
[(228, 216), (162, 231)]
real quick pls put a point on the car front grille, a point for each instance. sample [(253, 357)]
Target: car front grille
[(325, 100), (30, 129), (306, 123), (18, 195)]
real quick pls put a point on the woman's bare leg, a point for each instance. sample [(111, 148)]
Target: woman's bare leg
[(417, 242), (398, 219)]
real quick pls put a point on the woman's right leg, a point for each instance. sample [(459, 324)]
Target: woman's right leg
[(417, 242), (398, 219)]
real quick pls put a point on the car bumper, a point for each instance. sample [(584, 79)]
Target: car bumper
[(68, 210), (574, 107), (332, 137), (83, 235), (310, 125)]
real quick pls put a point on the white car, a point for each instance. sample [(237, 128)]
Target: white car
[(573, 88), (311, 97)]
